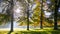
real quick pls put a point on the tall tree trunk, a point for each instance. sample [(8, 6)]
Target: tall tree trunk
[(55, 15), (41, 15), (11, 10), (12, 15), (27, 16), (28, 20)]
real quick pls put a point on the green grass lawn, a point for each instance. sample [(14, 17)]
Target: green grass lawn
[(34, 31)]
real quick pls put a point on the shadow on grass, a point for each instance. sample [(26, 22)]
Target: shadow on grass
[(47, 31), (41, 32)]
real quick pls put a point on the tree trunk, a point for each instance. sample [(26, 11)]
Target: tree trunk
[(12, 15), (41, 15), (11, 10), (55, 15), (28, 15)]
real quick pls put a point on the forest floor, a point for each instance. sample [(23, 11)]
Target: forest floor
[(32, 31)]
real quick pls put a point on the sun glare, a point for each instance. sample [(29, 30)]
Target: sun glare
[(17, 10)]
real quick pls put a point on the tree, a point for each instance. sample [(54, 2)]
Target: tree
[(4, 12), (57, 2), (41, 15), (27, 1), (11, 9)]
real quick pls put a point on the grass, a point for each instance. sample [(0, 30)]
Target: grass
[(34, 31)]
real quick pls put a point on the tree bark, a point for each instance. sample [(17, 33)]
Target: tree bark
[(55, 15), (12, 15), (28, 15), (41, 26)]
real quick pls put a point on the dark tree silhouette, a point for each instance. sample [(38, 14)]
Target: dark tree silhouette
[(12, 15), (28, 15), (11, 11), (41, 15), (57, 2)]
